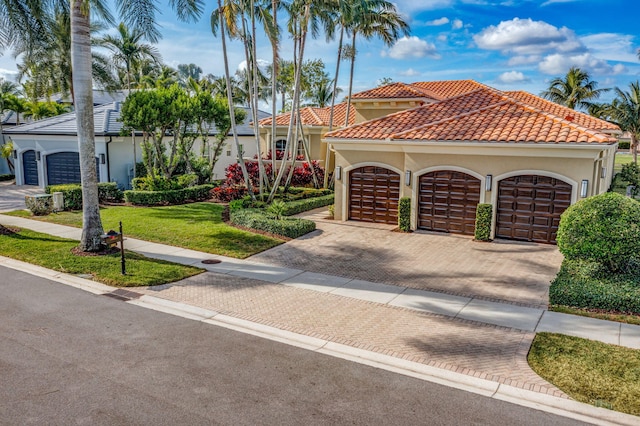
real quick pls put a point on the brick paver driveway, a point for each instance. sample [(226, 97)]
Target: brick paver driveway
[(502, 270)]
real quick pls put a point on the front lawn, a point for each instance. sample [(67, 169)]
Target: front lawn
[(55, 253), (196, 226), (592, 372)]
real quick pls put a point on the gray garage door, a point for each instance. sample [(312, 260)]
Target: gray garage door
[(64, 167), (30, 167)]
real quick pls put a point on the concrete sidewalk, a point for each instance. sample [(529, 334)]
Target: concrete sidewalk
[(464, 308)]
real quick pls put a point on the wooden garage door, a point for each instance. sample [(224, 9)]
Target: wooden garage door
[(529, 207), (447, 202), (373, 195), (30, 167)]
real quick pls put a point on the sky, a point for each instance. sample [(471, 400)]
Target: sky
[(507, 44)]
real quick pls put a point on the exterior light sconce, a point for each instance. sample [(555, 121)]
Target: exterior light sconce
[(584, 187), (15, 154), (488, 182), (38, 156), (103, 159), (603, 173), (407, 177), (338, 172)]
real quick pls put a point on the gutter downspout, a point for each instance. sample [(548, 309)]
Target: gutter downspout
[(108, 162)]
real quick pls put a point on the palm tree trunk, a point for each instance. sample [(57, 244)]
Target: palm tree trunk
[(274, 85), (327, 157), (634, 147), (232, 113), (254, 106), (83, 102), (353, 62)]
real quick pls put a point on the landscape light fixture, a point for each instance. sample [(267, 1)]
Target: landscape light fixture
[(338, 172), (488, 182), (407, 177), (584, 188)]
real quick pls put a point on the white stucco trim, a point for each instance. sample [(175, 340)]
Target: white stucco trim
[(415, 186), (346, 179), (498, 178)]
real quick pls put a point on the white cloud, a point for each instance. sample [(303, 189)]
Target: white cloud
[(510, 77), (548, 2), (9, 75), (611, 46), (524, 60), (409, 73), (410, 7), (456, 24), (527, 37), (560, 64), (411, 47), (442, 38), (438, 22)]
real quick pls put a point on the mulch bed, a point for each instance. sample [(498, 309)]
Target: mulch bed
[(8, 231)]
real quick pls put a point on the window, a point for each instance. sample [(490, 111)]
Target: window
[(228, 150)]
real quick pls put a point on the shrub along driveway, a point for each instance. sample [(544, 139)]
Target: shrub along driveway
[(502, 270)]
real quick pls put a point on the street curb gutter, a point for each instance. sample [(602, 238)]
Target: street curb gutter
[(547, 403)]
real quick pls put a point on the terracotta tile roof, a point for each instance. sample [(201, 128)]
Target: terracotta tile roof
[(577, 117), (312, 116), (435, 90), (484, 115)]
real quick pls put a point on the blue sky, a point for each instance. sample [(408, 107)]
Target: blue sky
[(508, 44)]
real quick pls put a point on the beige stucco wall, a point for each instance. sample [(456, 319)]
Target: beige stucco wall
[(570, 163), (376, 109)]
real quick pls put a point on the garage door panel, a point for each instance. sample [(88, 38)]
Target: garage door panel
[(374, 194), (448, 201), (529, 207)]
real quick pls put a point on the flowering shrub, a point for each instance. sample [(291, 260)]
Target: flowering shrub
[(303, 175), (227, 192)]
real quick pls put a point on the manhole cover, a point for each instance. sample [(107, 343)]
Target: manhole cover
[(211, 261)]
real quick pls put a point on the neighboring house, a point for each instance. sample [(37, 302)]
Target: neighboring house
[(46, 151), (450, 145)]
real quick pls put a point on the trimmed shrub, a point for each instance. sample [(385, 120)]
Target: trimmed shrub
[(7, 177), (177, 196), (404, 214), (484, 215), (306, 204), (259, 220), (332, 211), (187, 180), (604, 228), (159, 183), (624, 145), (40, 205), (589, 285), (72, 194)]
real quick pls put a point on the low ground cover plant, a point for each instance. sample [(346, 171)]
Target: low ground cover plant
[(268, 222)]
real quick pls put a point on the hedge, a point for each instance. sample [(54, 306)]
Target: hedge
[(624, 144), (588, 285), (260, 220), (72, 193), (7, 177), (299, 206), (404, 214), (177, 196), (484, 214)]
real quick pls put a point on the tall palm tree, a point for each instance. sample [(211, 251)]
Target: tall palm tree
[(47, 61), (627, 113), (574, 90), (373, 18), (128, 49)]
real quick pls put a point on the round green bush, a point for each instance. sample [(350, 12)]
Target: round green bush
[(604, 228)]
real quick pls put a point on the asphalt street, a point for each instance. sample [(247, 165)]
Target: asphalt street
[(71, 357)]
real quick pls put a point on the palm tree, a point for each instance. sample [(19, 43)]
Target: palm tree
[(627, 114), (47, 62), (575, 90), (373, 18), (128, 50), (321, 93)]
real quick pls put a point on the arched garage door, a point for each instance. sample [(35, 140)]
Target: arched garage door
[(373, 195), (30, 167), (529, 207), (64, 167), (447, 202)]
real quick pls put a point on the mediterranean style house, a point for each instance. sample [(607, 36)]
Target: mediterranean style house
[(450, 145)]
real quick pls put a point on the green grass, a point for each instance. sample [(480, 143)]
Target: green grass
[(592, 372), (55, 253), (621, 160), (196, 226), (609, 316)]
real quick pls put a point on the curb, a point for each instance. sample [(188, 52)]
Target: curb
[(542, 402)]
